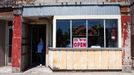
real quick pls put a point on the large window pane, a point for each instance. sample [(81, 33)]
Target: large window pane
[(79, 27), (95, 33), (112, 33), (63, 33), (79, 33)]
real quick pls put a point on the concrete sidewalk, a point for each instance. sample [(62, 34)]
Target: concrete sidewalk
[(71, 73), (46, 71), (6, 69)]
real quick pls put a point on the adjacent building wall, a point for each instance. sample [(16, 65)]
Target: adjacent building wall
[(2, 42), (132, 30)]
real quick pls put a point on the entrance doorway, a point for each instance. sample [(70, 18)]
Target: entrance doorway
[(37, 32), (33, 29)]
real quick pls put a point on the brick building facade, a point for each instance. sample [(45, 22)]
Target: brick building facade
[(94, 34)]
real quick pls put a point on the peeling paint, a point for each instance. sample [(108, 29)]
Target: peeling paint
[(16, 46), (126, 46), (125, 29), (125, 34)]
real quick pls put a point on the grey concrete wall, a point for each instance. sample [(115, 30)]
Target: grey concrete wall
[(2, 42)]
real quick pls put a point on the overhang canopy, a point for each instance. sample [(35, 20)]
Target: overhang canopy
[(70, 10)]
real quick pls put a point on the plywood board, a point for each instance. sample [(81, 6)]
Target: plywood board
[(104, 58), (50, 58), (119, 60), (91, 60), (118, 63), (97, 58), (76, 60), (84, 63), (62, 59), (56, 60), (112, 59), (70, 60), (115, 60)]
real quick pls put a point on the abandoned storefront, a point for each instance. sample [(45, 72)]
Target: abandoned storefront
[(87, 38)]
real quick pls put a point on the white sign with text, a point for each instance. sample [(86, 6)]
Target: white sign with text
[(79, 42)]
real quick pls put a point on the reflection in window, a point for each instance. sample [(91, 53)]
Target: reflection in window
[(63, 33), (79, 27), (84, 33), (78, 31), (111, 33), (95, 33)]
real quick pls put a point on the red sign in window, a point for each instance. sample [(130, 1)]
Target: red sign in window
[(79, 42)]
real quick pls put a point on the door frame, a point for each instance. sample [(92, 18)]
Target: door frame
[(7, 63)]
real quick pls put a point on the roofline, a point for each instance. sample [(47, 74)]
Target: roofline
[(59, 5), (28, 6)]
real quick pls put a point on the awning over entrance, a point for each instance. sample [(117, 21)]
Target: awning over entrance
[(71, 10)]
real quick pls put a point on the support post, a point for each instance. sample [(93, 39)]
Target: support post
[(126, 45), (16, 46)]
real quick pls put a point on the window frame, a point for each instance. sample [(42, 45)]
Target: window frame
[(104, 17)]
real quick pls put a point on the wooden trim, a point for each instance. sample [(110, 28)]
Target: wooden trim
[(85, 49)]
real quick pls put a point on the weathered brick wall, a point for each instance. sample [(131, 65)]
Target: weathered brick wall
[(125, 10)]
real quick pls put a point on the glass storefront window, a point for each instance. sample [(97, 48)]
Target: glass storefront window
[(111, 33), (79, 28), (63, 33), (78, 33), (95, 33), (83, 33)]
